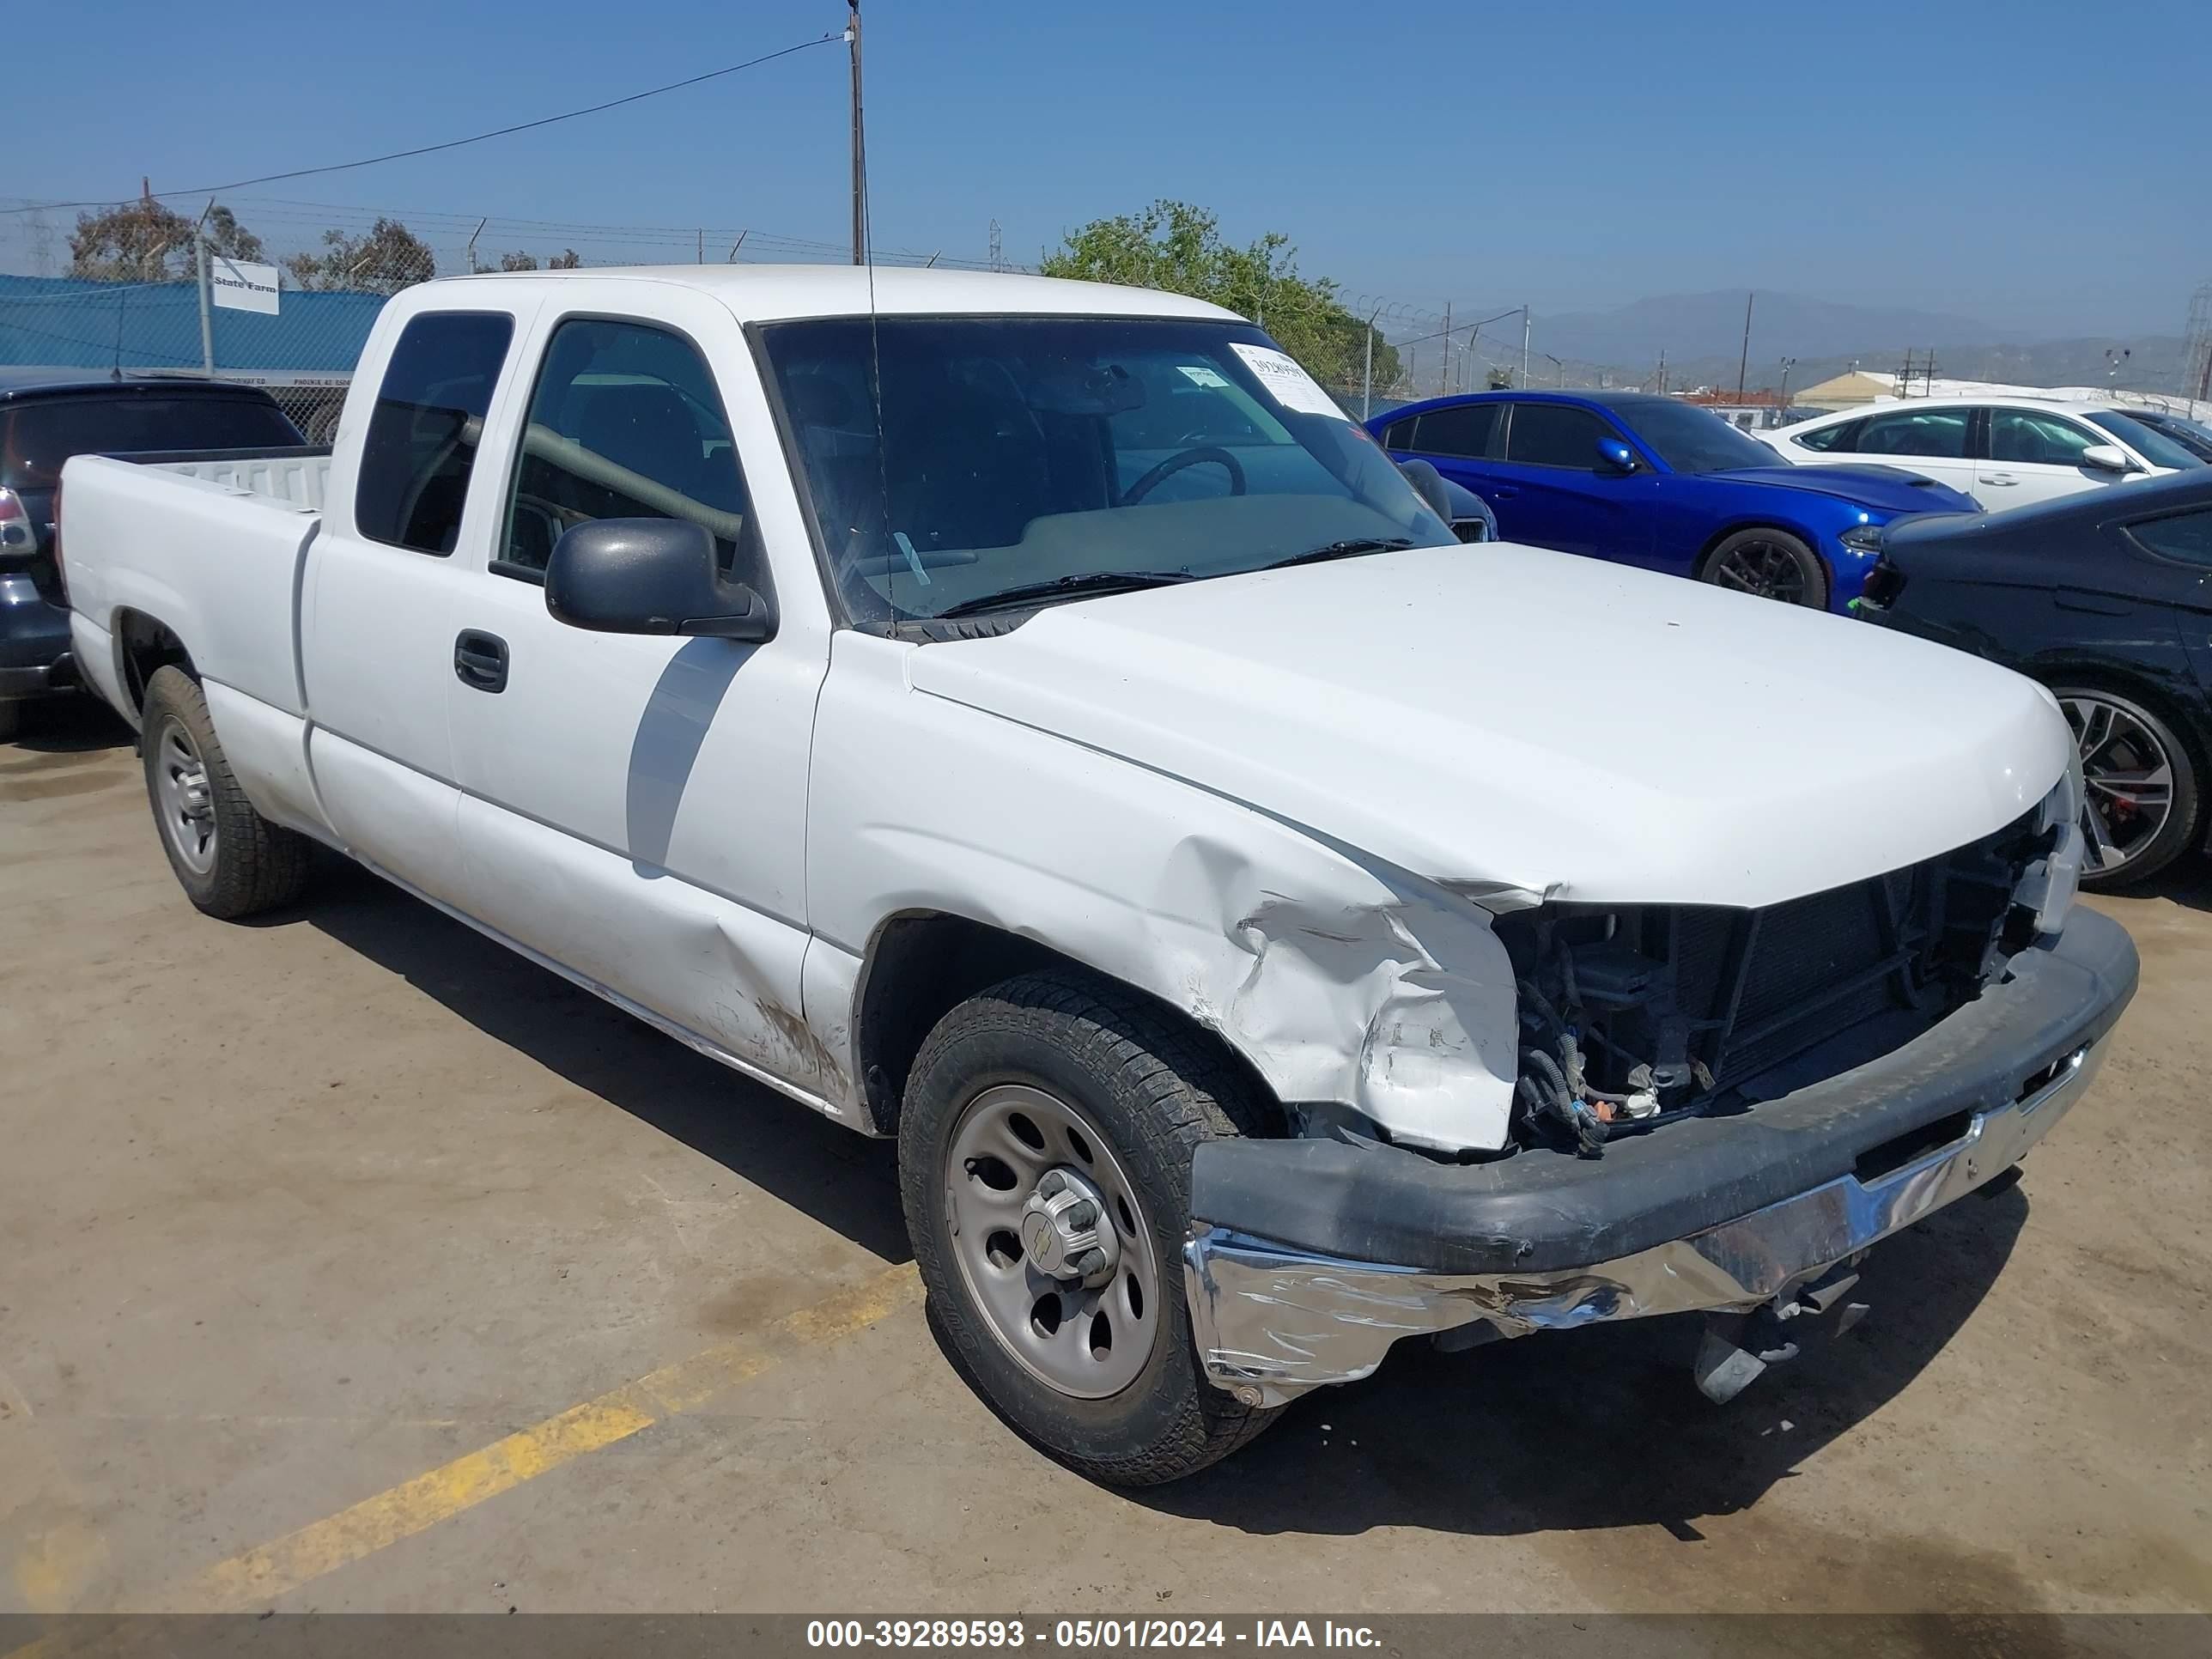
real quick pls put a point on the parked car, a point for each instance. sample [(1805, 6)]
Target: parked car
[(2003, 451), (2107, 599), (47, 416), (2194, 436), (1647, 480), (1268, 928)]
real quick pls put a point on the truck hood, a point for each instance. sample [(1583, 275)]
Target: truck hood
[(1879, 488), (1516, 724)]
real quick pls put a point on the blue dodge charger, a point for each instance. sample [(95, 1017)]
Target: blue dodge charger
[(1645, 479)]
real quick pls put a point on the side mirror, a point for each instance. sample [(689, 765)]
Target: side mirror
[(2107, 458), (1471, 519), (651, 576), (1429, 484), (1615, 456)]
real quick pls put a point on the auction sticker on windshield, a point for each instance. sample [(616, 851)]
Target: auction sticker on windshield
[(1289, 386)]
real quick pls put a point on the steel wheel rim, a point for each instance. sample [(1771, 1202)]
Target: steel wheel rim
[(1097, 1338), (182, 798), (1766, 570), (2127, 780)]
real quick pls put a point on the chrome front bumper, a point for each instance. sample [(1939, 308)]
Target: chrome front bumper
[(1273, 1321)]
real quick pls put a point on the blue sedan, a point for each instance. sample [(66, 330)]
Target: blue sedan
[(1644, 479)]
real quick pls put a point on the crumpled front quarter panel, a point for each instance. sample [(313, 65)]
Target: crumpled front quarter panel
[(1340, 979)]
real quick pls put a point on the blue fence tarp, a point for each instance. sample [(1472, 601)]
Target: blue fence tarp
[(67, 322)]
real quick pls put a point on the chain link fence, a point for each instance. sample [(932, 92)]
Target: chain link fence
[(281, 295)]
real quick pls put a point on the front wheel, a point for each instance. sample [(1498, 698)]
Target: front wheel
[(2140, 781), (230, 860), (1044, 1158), (1773, 564)]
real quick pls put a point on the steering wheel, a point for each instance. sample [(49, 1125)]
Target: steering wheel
[(1174, 463)]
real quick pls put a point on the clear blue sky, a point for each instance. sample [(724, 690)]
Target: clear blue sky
[(2033, 163)]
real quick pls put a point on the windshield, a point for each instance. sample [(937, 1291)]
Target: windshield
[(38, 434), (1016, 450), (2148, 442), (1693, 439)]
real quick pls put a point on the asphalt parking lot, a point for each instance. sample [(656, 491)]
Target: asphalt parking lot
[(347, 1262)]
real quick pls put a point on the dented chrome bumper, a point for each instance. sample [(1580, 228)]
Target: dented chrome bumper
[(1274, 1319)]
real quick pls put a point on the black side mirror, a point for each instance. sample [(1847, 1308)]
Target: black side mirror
[(1429, 484), (651, 576), (1615, 456)]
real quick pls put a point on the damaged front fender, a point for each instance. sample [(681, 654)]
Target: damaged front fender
[(1340, 979)]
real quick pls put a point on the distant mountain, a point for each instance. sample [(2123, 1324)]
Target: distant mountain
[(1688, 327), (2153, 362)]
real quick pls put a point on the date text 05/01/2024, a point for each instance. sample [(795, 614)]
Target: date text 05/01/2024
[(1083, 1634)]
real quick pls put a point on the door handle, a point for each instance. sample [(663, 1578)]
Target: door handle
[(1502, 492), (480, 661), (1998, 478)]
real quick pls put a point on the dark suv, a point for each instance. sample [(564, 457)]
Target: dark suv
[(48, 415)]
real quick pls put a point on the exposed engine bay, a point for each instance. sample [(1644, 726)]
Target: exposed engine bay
[(1633, 1016)]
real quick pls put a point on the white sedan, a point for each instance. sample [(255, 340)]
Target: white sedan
[(2003, 451)]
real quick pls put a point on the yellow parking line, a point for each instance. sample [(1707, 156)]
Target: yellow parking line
[(258, 1576)]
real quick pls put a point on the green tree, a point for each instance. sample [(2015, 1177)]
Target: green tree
[(143, 241), (390, 257), (518, 261), (1178, 248), (566, 259)]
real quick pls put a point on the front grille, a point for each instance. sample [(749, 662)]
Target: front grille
[(1735, 994)]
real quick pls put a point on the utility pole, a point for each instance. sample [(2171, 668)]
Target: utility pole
[(206, 315), (1367, 371), (1782, 401), (1443, 375), (1743, 362), (1524, 344), (859, 143)]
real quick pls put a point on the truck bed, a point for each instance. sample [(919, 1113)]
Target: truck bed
[(210, 543)]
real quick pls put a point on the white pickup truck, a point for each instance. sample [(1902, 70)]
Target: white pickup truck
[(1029, 720)]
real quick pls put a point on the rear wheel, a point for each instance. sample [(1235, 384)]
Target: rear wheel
[(230, 860), (11, 716), (1773, 564), (1044, 1158), (2140, 781)]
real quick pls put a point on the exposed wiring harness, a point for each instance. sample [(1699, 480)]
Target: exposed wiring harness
[(1554, 1086)]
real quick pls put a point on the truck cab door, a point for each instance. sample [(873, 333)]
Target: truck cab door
[(376, 638), (634, 806)]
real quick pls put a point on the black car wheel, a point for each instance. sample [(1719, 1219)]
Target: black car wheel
[(2140, 781), (1773, 564)]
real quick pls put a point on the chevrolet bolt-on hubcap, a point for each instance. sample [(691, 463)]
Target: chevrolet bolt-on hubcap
[(1051, 1241), (180, 791)]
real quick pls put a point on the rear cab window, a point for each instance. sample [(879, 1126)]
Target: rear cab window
[(425, 429), (37, 434)]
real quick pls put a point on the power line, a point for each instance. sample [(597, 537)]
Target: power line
[(455, 144)]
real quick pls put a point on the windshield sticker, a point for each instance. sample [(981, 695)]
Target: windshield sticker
[(1289, 384), (1200, 375)]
